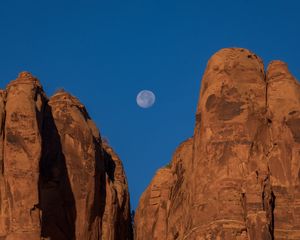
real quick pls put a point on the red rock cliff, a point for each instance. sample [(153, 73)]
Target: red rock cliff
[(238, 177), (59, 181)]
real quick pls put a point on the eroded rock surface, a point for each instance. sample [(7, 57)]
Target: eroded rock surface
[(58, 180), (237, 178)]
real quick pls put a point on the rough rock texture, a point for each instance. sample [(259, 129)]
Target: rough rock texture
[(238, 177), (58, 180), (116, 216)]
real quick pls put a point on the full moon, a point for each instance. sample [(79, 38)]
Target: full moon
[(145, 99)]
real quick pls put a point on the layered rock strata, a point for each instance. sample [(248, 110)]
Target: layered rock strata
[(238, 176)]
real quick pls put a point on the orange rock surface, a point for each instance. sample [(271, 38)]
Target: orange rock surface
[(59, 181), (238, 177)]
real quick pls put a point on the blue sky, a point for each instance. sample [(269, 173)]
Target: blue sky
[(104, 52)]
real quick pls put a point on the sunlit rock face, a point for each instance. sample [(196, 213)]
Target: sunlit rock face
[(58, 180), (238, 177)]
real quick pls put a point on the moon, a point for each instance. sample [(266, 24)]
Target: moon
[(145, 99)]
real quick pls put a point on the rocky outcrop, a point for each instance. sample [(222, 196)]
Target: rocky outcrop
[(22, 148), (163, 210), (59, 181), (238, 176), (116, 216)]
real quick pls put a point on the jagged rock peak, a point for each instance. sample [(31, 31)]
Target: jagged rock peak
[(25, 78), (63, 96), (228, 59), (68, 99), (55, 176), (238, 177), (278, 70), (25, 75)]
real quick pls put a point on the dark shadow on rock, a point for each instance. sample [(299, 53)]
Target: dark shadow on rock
[(110, 165), (57, 201), (273, 205), (123, 226), (99, 188)]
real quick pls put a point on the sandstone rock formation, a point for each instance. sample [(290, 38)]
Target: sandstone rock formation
[(238, 177), (59, 181)]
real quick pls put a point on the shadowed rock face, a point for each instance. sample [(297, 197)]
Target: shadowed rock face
[(237, 178), (58, 180)]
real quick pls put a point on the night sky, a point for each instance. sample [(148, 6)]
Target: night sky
[(105, 52)]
